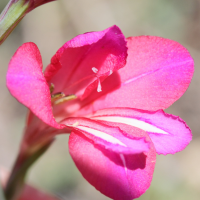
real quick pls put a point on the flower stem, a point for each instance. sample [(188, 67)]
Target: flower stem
[(2, 197), (16, 180)]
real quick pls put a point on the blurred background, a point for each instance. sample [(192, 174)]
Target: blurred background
[(176, 177)]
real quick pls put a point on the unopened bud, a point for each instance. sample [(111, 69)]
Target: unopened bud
[(13, 14)]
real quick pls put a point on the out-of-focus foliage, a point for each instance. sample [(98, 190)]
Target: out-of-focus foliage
[(50, 26)]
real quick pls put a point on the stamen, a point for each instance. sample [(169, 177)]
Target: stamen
[(56, 96), (60, 97), (65, 99)]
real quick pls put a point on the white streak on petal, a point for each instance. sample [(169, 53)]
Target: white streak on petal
[(123, 161), (111, 71), (101, 135), (95, 70), (133, 122)]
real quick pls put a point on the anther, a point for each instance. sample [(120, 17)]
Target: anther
[(65, 99), (60, 97), (57, 96), (51, 88)]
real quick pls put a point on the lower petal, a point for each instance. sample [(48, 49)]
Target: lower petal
[(169, 133), (117, 176)]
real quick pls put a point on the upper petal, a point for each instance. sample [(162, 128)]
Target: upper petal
[(169, 133), (116, 175), (82, 63), (157, 73), (27, 84)]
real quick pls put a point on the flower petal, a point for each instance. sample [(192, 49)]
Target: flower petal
[(157, 73), (27, 84), (111, 138), (169, 133), (116, 175), (81, 64)]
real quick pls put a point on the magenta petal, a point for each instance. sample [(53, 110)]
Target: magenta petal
[(110, 138), (117, 176), (157, 73), (169, 133), (84, 62), (27, 84)]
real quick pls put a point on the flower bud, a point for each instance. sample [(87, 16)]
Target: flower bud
[(13, 14)]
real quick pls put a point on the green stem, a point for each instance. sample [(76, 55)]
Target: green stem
[(11, 16), (2, 194), (16, 180)]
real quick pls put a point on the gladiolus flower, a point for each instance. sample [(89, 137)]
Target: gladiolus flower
[(110, 103)]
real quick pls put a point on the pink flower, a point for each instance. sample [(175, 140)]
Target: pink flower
[(114, 148)]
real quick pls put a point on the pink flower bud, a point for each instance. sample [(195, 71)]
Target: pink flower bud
[(13, 14), (35, 3)]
